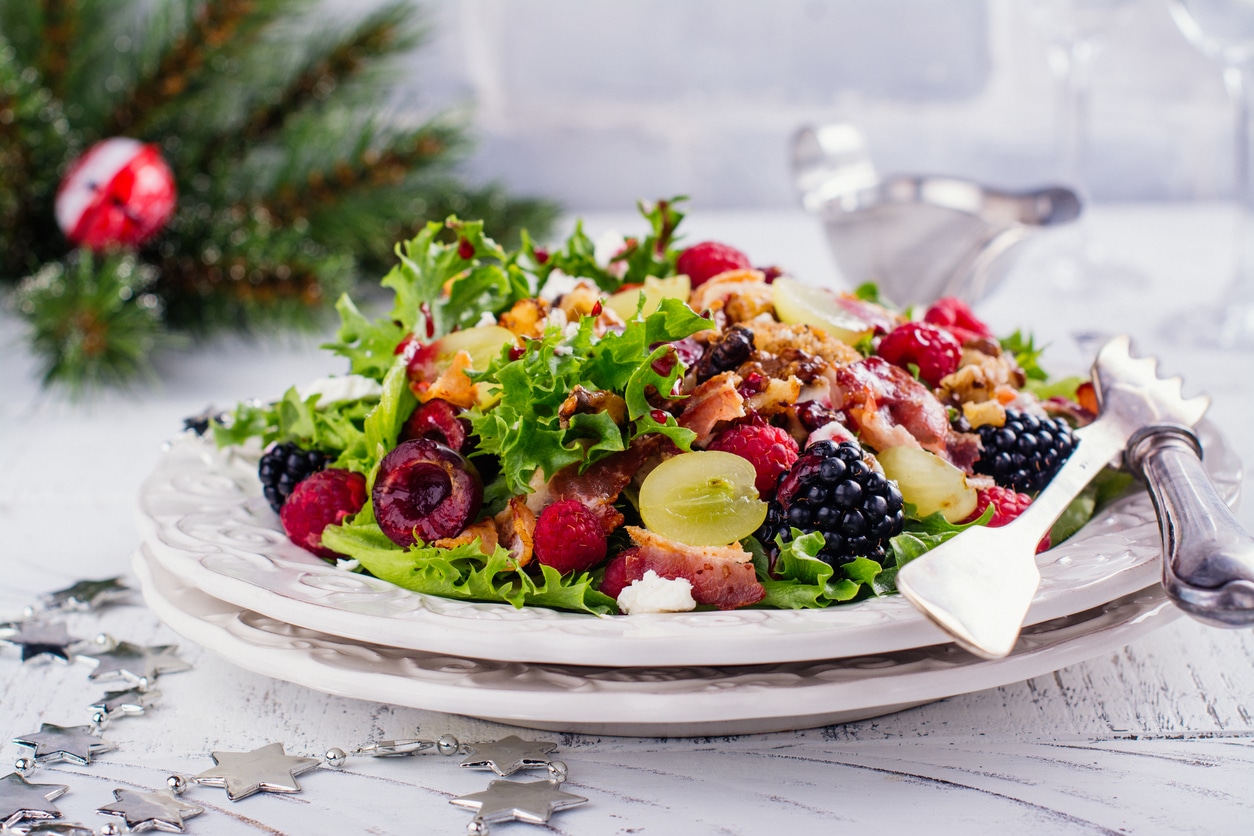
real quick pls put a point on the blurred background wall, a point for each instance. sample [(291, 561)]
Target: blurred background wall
[(599, 102)]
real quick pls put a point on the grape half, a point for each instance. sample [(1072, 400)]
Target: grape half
[(704, 498)]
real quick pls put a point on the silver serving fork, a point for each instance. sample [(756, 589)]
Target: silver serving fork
[(978, 587)]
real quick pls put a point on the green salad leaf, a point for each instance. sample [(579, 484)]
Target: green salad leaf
[(524, 428), (463, 572), (331, 429)]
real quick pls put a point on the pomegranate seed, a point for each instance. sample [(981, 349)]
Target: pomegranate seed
[(665, 363), (542, 256), (517, 352), (658, 415), (465, 249), (425, 309), (403, 344), (596, 309)]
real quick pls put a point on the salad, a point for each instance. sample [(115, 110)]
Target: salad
[(631, 425)]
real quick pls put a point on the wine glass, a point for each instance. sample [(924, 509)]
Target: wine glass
[(1075, 32), (1224, 30)]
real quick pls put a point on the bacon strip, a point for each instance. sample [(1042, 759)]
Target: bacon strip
[(597, 487), (722, 576), (888, 407)]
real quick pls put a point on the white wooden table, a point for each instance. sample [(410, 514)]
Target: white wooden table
[(1155, 738)]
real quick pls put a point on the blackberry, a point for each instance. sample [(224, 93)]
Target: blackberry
[(283, 466), (833, 489), (1025, 452)]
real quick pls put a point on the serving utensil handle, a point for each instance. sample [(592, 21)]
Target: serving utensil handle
[(1208, 557)]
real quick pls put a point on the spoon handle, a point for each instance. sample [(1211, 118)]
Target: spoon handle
[(1208, 557)]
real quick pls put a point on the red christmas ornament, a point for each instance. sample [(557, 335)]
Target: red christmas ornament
[(120, 192)]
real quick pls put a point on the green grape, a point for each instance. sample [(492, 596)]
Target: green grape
[(705, 498)]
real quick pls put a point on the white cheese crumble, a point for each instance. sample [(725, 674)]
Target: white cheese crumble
[(486, 318), (349, 387), (348, 564), (557, 285), (608, 245), (654, 593)]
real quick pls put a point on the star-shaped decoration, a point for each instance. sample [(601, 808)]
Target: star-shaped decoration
[(20, 799), (131, 702), (135, 662), (54, 828), (266, 769), (53, 744), (86, 595), (509, 754), (150, 810), (40, 638), (529, 801)]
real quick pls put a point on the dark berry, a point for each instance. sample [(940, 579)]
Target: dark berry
[(283, 467), (732, 349), (1026, 452), (832, 489)]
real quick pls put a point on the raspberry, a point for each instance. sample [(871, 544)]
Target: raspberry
[(325, 498), (569, 537), (832, 489), (770, 449), (283, 467), (703, 261), (936, 352), (1025, 452), (615, 580), (1007, 505), (954, 316)]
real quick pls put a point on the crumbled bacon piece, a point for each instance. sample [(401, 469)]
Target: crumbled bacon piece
[(516, 529), (485, 530), (717, 399), (721, 576), (597, 487)]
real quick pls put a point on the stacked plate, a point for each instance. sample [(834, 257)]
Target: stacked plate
[(216, 566)]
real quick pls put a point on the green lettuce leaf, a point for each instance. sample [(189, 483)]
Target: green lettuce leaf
[(524, 428), (463, 572)]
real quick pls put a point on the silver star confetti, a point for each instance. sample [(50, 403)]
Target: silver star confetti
[(530, 801), (131, 702), (54, 828), (150, 810), (20, 799), (136, 663), (53, 744), (40, 638), (86, 595), (266, 769), (509, 754)]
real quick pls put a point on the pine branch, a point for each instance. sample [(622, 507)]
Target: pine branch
[(60, 31), (92, 322), (327, 70), (210, 30)]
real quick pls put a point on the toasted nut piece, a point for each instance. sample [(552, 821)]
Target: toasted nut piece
[(986, 413), (585, 401), (526, 318)]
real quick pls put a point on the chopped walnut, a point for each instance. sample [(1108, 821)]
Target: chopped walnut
[(985, 413), (776, 337), (582, 400)]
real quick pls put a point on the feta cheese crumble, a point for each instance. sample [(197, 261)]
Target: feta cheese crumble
[(349, 387), (654, 593)]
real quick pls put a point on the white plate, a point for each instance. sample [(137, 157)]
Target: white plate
[(695, 701), (203, 516)]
